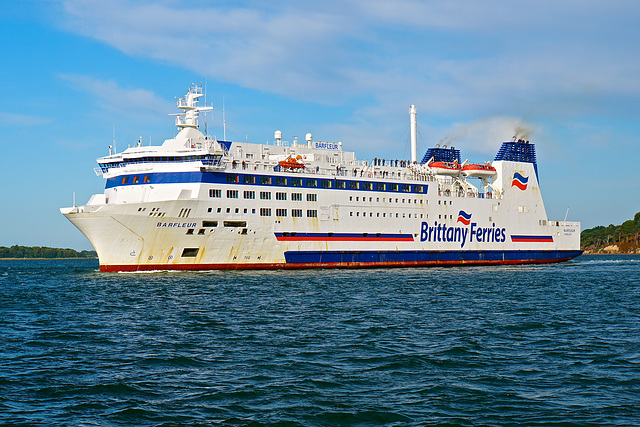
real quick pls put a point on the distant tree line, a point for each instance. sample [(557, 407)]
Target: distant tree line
[(626, 234), (43, 252)]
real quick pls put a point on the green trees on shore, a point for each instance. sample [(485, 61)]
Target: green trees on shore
[(16, 251), (626, 236)]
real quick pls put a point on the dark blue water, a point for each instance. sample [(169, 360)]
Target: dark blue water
[(529, 345)]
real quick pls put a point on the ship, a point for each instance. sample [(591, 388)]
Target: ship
[(200, 203)]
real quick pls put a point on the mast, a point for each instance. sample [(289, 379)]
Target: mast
[(189, 105)]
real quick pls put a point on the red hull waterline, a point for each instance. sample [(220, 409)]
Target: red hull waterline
[(302, 266)]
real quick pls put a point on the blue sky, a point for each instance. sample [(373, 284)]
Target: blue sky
[(566, 74)]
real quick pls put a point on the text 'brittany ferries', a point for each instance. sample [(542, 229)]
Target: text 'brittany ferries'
[(442, 233)]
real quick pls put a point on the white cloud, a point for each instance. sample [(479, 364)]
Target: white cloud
[(125, 101), (22, 120), (450, 57)]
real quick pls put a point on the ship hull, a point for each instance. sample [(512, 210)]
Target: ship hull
[(347, 260), (368, 230)]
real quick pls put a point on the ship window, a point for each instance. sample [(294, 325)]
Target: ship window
[(394, 187), (406, 187), (265, 195), (296, 197), (312, 183), (249, 179), (353, 185), (219, 210), (228, 210), (350, 198), (384, 214), (350, 213), (340, 184), (312, 197), (253, 211), (190, 231), (381, 186), (296, 182), (296, 213), (245, 210), (325, 183), (357, 199), (190, 252), (265, 180), (232, 194), (125, 179), (147, 179), (265, 212), (281, 212), (312, 213), (249, 194), (232, 178), (367, 185), (357, 213), (281, 196), (281, 181), (234, 223), (214, 192), (209, 223), (201, 231), (237, 210)]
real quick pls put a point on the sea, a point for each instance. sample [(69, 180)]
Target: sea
[(538, 345)]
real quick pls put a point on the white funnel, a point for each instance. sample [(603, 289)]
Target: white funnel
[(414, 134)]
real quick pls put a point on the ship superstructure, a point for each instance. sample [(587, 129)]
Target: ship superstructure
[(196, 202)]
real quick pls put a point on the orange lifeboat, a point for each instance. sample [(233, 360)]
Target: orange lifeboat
[(445, 168), (292, 163), (479, 171)]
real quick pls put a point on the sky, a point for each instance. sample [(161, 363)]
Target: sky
[(563, 74)]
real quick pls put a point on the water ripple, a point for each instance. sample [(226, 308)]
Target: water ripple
[(512, 345)]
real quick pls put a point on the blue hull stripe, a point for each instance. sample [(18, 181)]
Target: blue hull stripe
[(426, 257), (315, 183)]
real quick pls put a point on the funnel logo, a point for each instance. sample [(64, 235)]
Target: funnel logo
[(464, 217), (520, 181)]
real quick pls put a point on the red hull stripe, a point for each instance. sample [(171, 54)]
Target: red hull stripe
[(342, 237), (542, 239)]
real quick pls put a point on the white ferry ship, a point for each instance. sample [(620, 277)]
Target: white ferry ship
[(197, 203)]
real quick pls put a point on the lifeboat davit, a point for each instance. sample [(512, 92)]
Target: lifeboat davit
[(292, 163), (479, 171), (445, 168)]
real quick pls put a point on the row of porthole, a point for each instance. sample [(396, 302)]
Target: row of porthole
[(384, 200)]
